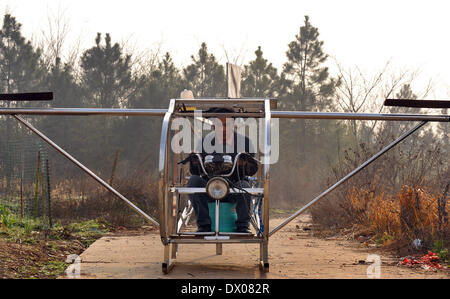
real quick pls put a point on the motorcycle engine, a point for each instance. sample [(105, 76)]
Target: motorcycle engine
[(218, 164)]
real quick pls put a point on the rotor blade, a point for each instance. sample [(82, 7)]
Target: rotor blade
[(31, 96), (417, 103)]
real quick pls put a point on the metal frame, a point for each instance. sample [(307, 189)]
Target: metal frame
[(170, 234), (261, 108), (163, 194), (264, 245), (274, 114)]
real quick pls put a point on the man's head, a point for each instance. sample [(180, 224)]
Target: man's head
[(222, 119)]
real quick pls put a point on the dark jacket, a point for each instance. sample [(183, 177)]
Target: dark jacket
[(251, 167)]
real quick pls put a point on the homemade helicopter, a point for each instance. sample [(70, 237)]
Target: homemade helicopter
[(174, 211)]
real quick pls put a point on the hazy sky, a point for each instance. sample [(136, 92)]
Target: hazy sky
[(414, 34)]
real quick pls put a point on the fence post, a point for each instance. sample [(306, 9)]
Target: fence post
[(49, 211), (36, 187)]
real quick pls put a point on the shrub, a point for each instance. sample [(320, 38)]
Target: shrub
[(409, 215)]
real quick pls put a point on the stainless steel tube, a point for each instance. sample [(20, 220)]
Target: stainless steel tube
[(217, 216), (163, 199), (85, 169), (348, 176), (264, 246), (83, 111), (360, 116), (275, 114)]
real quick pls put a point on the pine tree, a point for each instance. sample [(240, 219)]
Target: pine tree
[(106, 74), (307, 85), (61, 81), (163, 84), (20, 69), (308, 146), (259, 78), (205, 76), (310, 84), (107, 82), (67, 94), (20, 66)]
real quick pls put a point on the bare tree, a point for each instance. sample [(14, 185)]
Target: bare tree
[(143, 61), (234, 55), (360, 93), (54, 40)]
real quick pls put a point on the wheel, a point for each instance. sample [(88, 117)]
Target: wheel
[(264, 267), (165, 268)]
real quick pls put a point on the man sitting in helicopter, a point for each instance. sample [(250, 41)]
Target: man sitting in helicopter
[(229, 142)]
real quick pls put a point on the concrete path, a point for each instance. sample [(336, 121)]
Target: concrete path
[(293, 253)]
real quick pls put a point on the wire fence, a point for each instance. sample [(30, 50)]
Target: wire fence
[(25, 177)]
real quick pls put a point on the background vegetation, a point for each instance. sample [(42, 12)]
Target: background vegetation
[(314, 154)]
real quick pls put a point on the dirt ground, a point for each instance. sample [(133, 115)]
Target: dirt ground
[(293, 253), (41, 260)]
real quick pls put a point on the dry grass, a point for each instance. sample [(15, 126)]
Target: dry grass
[(413, 213), (84, 199)]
